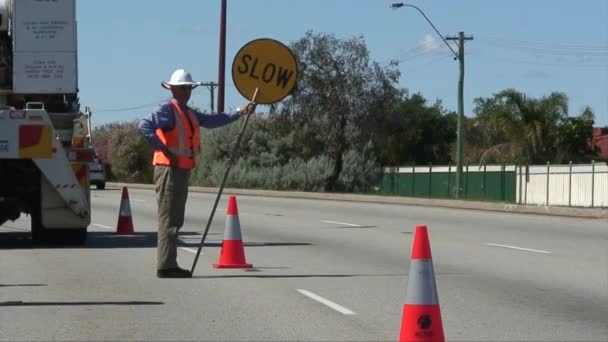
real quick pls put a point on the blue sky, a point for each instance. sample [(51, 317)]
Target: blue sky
[(126, 48)]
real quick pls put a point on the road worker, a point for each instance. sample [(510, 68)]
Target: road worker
[(173, 130)]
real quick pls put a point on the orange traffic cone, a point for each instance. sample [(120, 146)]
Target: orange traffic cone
[(421, 319), (232, 254), (125, 222)]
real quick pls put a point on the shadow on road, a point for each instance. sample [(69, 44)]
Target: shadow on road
[(22, 240), (22, 285), (273, 276), (20, 303)]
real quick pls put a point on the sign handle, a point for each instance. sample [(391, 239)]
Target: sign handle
[(219, 194)]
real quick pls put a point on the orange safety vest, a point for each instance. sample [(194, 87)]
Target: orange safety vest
[(183, 140)]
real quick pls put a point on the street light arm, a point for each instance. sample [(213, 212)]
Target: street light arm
[(400, 4)]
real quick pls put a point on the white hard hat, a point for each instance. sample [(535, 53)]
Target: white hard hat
[(180, 77)]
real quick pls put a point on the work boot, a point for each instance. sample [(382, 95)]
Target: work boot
[(174, 273)]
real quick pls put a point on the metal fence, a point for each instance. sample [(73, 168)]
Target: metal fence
[(480, 182), (573, 185)]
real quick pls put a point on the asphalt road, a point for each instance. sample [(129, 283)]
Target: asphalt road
[(323, 270)]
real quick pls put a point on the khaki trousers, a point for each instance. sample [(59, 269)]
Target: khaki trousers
[(171, 194)]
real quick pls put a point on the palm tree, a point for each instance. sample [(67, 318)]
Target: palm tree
[(529, 125)]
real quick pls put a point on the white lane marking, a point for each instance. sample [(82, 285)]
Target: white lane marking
[(327, 302), (103, 226), (14, 229), (519, 248), (136, 200), (190, 250), (342, 223)]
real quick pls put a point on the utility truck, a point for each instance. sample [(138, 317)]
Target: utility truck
[(44, 137)]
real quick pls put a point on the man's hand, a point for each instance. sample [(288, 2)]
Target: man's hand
[(249, 108), (171, 156)]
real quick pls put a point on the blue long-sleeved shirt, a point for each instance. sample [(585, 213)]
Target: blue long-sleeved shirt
[(163, 117)]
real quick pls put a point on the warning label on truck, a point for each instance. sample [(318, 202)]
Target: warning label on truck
[(45, 25), (44, 73)]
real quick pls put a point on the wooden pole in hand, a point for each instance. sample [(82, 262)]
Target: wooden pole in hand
[(219, 194)]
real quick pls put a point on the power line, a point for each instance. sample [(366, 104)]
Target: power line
[(419, 51), (544, 51), (548, 45), (419, 48), (116, 110), (413, 51), (210, 85), (547, 49), (422, 64), (553, 64)]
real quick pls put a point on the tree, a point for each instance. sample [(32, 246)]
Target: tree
[(516, 128), (338, 88), (574, 138), (413, 131), (126, 152)]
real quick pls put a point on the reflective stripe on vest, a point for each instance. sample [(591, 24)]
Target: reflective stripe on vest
[(184, 152)]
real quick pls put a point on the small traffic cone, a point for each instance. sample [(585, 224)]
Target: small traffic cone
[(421, 320), (232, 254), (125, 221)]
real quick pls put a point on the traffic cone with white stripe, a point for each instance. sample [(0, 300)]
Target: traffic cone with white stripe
[(232, 254), (421, 320), (125, 221)]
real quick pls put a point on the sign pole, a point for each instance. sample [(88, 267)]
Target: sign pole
[(219, 194)]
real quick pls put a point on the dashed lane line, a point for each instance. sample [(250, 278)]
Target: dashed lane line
[(343, 223), (519, 248), (189, 250), (103, 226), (327, 302)]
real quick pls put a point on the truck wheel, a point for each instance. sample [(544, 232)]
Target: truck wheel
[(41, 234), (63, 236), (37, 232)]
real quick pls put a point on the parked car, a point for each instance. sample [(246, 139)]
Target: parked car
[(97, 174)]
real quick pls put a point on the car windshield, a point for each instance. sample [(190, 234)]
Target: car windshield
[(95, 165)]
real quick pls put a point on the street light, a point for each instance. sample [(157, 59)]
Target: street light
[(460, 128), (401, 4)]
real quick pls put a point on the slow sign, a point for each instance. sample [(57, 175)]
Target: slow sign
[(268, 65)]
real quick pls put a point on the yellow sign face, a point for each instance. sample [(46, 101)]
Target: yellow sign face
[(268, 65)]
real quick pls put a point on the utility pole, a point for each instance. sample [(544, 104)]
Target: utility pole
[(211, 86), (222, 61), (460, 129)]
